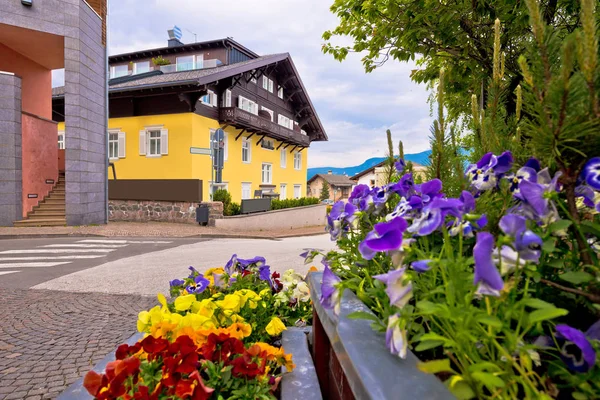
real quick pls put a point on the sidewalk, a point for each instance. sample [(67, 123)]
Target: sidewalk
[(151, 229)]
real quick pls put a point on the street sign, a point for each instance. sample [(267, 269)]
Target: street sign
[(200, 150)]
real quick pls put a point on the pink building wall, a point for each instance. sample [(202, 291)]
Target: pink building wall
[(40, 158), (36, 81)]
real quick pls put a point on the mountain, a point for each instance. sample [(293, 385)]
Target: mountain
[(419, 158)]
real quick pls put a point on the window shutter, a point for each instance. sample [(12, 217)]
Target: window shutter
[(213, 98), (164, 141), (142, 143), (121, 144), (228, 98)]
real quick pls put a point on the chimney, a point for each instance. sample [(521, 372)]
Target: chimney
[(174, 37), (329, 172)]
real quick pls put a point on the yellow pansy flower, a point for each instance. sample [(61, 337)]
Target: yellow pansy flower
[(231, 302), (184, 303), (275, 327), (162, 300)]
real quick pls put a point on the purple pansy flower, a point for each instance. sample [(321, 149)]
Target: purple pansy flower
[(398, 287), (386, 236), (485, 173), (524, 173), (257, 261), (429, 190), (200, 284), (176, 282), (264, 274), (533, 163), (576, 351), (486, 276), (534, 195), (400, 165), (587, 193), (526, 243), (193, 272), (421, 266), (591, 173), (358, 193), (404, 186), (331, 295), (433, 215), (395, 338), (231, 264), (468, 201), (402, 208)]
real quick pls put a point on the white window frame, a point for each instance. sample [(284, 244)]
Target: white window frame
[(113, 70), (269, 171), (280, 93), (213, 186), (297, 160), (135, 67), (283, 158), (267, 84), (248, 143), (269, 111), (285, 121), (227, 98), (153, 138), (115, 143), (145, 140), (252, 105), (283, 191), (247, 186), (212, 99), (299, 193), (61, 140)]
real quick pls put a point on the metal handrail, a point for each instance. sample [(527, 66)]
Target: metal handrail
[(112, 165)]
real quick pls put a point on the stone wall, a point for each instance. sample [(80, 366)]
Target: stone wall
[(162, 211), (288, 218), (10, 150)]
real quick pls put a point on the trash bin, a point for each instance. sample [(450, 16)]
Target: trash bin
[(202, 214)]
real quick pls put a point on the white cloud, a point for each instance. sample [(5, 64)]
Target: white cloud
[(356, 108)]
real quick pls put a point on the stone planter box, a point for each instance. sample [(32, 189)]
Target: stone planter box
[(301, 384), (352, 361)]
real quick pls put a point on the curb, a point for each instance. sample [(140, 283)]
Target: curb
[(49, 235), (199, 236)]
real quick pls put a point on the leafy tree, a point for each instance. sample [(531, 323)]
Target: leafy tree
[(324, 191), (457, 36)]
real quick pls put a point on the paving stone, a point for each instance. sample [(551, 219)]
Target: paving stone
[(57, 335)]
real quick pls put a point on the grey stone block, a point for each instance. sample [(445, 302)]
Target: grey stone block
[(302, 383)]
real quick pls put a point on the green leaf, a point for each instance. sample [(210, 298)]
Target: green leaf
[(491, 381), (435, 336), (428, 344), (362, 315), (462, 391), (435, 366), (560, 225), (549, 246), (546, 314), (490, 320), (537, 303), (484, 366), (590, 227), (576, 277), (427, 307)]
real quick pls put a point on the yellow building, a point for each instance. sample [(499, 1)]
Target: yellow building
[(163, 118)]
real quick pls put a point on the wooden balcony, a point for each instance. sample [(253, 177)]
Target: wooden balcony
[(253, 123)]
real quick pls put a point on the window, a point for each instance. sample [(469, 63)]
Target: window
[(246, 190), (225, 143), (154, 142), (248, 105), (116, 144), (297, 191), (209, 99), (186, 63), (217, 186), (227, 98), (267, 173), (285, 121), (141, 67), (267, 144), (297, 160), (246, 150), (61, 140), (280, 93), (269, 111), (267, 84), (283, 191), (119, 70), (253, 74), (283, 158)]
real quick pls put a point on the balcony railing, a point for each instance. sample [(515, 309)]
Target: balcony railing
[(243, 119), (175, 67)]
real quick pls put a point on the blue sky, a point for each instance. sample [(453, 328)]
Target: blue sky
[(356, 108)]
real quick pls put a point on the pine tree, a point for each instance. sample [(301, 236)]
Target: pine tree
[(324, 191)]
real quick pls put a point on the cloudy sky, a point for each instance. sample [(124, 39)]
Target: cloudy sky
[(356, 108)]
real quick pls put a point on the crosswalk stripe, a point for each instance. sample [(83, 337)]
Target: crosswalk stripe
[(32, 265), (34, 258), (110, 246), (56, 251), (125, 241), (7, 272)]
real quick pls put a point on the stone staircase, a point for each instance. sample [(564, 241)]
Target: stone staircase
[(51, 210)]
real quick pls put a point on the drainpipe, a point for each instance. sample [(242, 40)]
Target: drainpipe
[(106, 77)]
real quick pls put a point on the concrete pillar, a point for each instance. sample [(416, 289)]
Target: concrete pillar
[(11, 202)]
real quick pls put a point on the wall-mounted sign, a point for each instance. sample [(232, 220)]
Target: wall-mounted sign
[(200, 150), (32, 196), (50, 181)]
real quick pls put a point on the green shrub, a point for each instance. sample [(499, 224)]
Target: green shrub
[(234, 209), (224, 197), (291, 203)]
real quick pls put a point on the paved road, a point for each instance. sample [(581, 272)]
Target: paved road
[(28, 262), (66, 303)]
